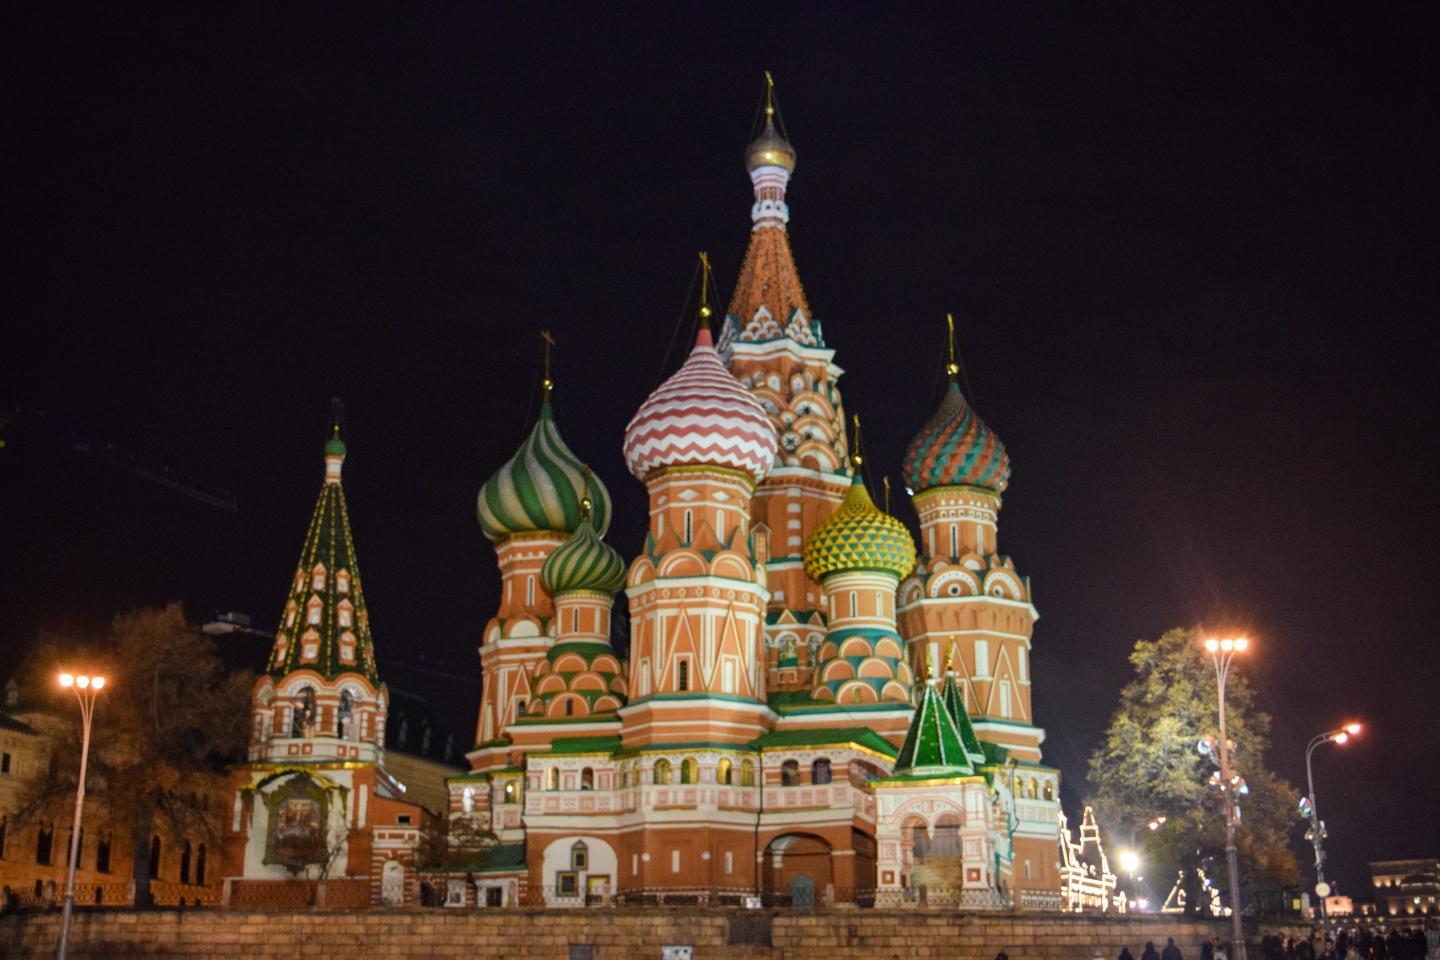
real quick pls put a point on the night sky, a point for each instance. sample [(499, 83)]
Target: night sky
[(1191, 255)]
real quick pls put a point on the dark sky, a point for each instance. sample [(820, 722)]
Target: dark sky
[(1191, 252)]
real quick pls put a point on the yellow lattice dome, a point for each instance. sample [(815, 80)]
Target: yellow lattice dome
[(859, 536)]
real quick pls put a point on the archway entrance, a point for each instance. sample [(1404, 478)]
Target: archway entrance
[(797, 870)]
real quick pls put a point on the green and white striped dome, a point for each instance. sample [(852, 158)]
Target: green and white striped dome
[(540, 489), (584, 562)]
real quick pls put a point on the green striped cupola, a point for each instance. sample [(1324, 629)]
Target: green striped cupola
[(325, 626), (583, 563), (541, 488), (933, 746)]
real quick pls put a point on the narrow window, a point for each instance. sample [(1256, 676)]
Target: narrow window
[(552, 778), (509, 791), (723, 771), (575, 620), (200, 866), (688, 770), (728, 676), (954, 541), (683, 682), (729, 861), (579, 857), (587, 779), (342, 581), (4, 763), (1005, 699), (529, 591), (854, 608), (102, 855), (820, 771), (689, 533), (519, 706), (1049, 790), (982, 658), (154, 858), (569, 707), (662, 772), (747, 773), (790, 773), (185, 862)]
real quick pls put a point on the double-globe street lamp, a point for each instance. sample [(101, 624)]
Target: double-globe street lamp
[(85, 688), (1221, 653), (1317, 828)]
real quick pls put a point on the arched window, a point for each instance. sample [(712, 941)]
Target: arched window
[(185, 862), (44, 844), (154, 858), (552, 778), (344, 613), (317, 577), (688, 770), (509, 791), (102, 855), (200, 866), (345, 718), (342, 581), (1030, 789), (747, 773), (624, 777), (1049, 790), (683, 680), (313, 610), (303, 714), (587, 779), (579, 856), (723, 771), (820, 771), (662, 772), (790, 773)]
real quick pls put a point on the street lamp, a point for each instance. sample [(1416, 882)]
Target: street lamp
[(1317, 829), (1221, 653), (85, 687)]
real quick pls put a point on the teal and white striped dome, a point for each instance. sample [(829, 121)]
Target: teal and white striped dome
[(540, 489), (584, 562)]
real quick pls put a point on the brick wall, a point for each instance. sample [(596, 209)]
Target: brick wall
[(531, 935)]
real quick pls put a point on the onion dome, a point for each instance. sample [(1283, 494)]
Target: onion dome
[(859, 536), (956, 449), (584, 562), (540, 488), (770, 149), (701, 416)]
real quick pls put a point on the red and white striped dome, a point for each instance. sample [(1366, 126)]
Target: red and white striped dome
[(701, 416)]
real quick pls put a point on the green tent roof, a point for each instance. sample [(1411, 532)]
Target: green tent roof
[(585, 745), (954, 700), (932, 746)]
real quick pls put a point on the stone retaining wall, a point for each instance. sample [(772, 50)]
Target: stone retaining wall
[(612, 934)]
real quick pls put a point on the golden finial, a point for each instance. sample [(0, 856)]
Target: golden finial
[(885, 482), (705, 311), (585, 503), (952, 369), (547, 384), (337, 412), (769, 96), (924, 666), (950, 657), (855, 456)]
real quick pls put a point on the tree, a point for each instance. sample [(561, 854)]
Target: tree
[(171, 721), (1149, 767)]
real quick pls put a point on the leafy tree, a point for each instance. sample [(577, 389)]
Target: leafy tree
[(1149, 767), (169, 724)]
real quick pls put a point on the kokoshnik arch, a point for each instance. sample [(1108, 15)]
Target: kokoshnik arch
[(811, 708)]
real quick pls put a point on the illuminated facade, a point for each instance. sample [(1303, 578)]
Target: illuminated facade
[(760, 738)]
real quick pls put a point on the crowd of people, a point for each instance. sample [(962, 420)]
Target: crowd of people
[(1358, 942)]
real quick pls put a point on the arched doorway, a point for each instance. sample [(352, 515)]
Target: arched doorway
[(797, 870), (392, 884)]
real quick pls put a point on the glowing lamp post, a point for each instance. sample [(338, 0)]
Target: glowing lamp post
[(1221, 653), (1317, 828), (86, 688)]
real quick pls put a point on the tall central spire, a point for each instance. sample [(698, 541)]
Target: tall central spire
[(769, 302)]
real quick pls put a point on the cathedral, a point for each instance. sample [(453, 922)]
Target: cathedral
[(813, 708)]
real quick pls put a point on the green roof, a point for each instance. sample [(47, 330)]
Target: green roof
[(585, 745), (932, 745), (954, 699), (326, 588), (857, 736), (504, 858)]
